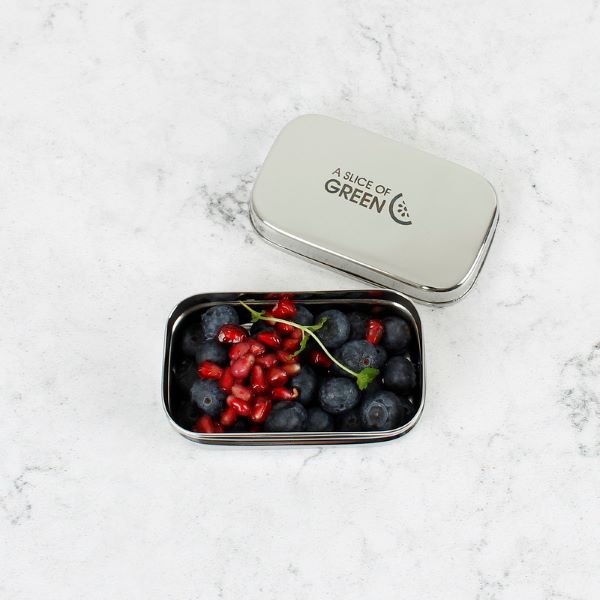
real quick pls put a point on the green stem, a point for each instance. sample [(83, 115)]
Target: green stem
[(305, 330), (337, 362)]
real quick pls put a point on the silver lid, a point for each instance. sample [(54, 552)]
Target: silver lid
[(374, 208)]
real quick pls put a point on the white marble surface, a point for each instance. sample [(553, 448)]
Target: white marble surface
[(131, 133)]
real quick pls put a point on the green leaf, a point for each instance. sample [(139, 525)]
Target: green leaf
[(317, 326), (365, 377), (255, 315), (302, 346)]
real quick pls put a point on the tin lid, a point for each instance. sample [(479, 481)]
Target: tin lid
[(371, 207)]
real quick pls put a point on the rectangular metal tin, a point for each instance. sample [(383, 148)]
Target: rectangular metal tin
[(390, 299), (433, 253)]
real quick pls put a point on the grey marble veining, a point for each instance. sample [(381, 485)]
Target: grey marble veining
[(130, 137), (581, 396)]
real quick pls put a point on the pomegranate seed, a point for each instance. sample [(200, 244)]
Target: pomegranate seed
[(229, 399), (276, 376), (241, 392), (296, 334), (209, 370), (257, 380), (218, 428), (241, 407), (374, 331), (283, 393), (267, 360), (241, 367), (261, 410), (291, 368), (257, 348), (284, 328), (227, 380), (285, 356), (228, 416), (319, 359), (284, 309), (238, 350), (232, 334), (205, 425), (290, 344), (270, 338)]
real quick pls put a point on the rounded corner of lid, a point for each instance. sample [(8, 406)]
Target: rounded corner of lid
[(493, 195), (298, 120), (301, 121), (306, 117)]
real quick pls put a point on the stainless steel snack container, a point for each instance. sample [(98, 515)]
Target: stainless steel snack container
[(373, 208), (389, 301), (366, 205)]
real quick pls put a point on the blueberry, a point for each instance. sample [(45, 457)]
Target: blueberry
[(240, 426), (304, 316), (208, 396), (399, 374), (192, 338), (349, 421), (213, 351), (286, 416), (381, 356), (319, 420), (306, 382), (407, 409), (358, 325), (358, 354), (185, 375), (338, 395), (373, 387), (380, 411), (259, 326), (217, 316), (396, 334), (336, 329), (187, 414)]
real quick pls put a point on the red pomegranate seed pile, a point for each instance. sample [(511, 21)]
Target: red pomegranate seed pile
[(259, 370), (261, 367)]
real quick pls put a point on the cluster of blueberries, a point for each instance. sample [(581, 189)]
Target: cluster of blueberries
[(328, 398)]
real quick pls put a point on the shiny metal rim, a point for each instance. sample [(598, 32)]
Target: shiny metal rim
[(196, 303)]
